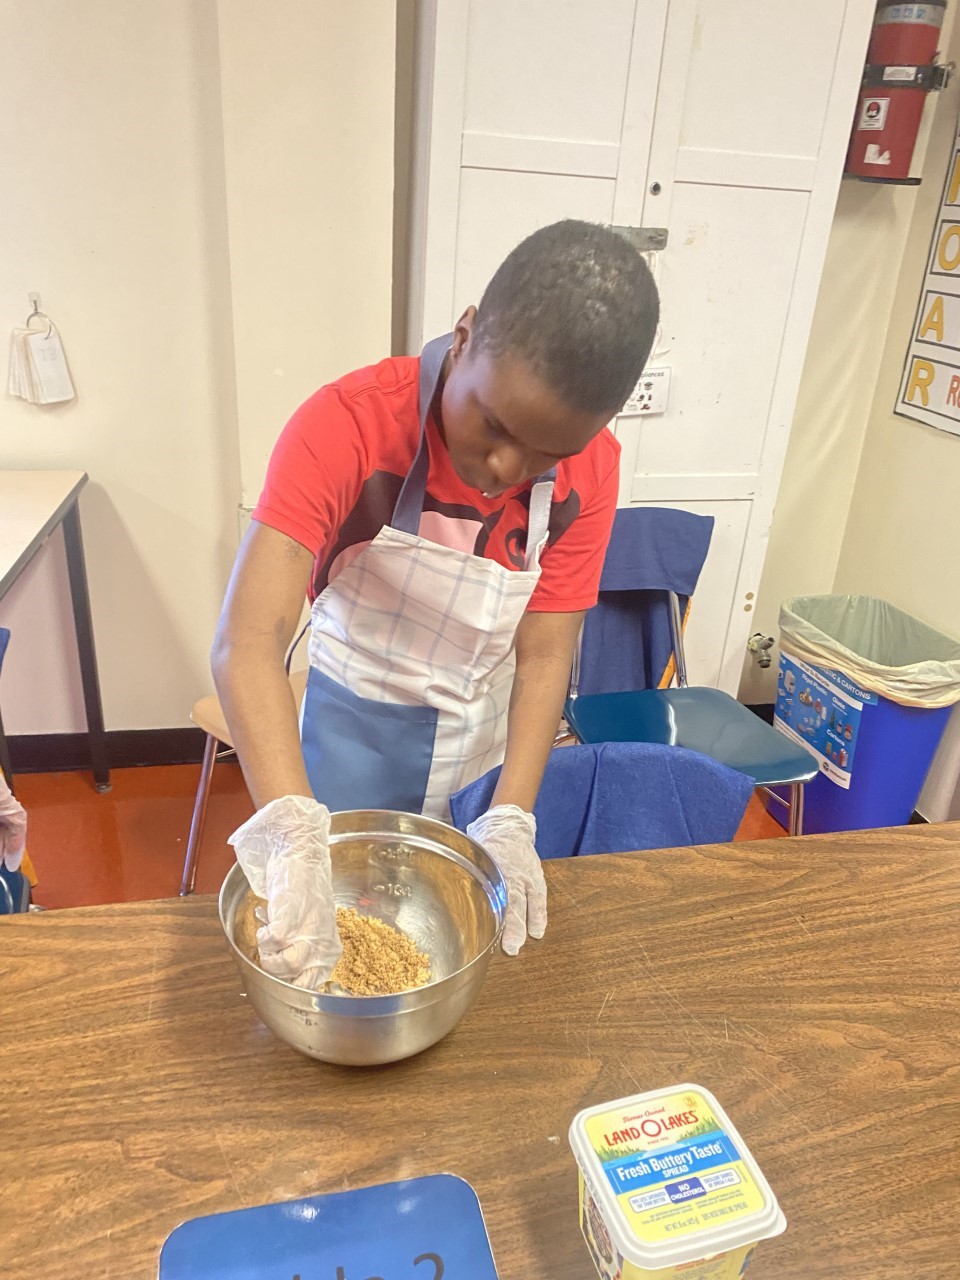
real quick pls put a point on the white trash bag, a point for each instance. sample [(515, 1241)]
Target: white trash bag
[(876, 645)]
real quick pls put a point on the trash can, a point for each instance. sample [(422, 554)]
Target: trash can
[(867, 689)]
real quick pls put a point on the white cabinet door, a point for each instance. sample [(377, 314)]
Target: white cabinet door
[(723, 121), (528, 113)]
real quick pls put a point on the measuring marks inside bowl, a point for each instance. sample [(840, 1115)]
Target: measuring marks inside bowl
[(422, 889)]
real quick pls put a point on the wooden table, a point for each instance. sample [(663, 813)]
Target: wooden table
[(32, 505), (812, 984)]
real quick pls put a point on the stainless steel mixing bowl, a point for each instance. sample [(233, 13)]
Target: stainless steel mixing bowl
[(426, 878)]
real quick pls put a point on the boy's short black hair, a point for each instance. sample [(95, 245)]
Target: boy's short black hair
[(578, 302)]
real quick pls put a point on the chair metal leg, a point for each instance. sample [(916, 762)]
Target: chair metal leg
[(199, 818), (676, 637), (796, 809)]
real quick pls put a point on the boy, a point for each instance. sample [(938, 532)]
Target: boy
[(448, 517)]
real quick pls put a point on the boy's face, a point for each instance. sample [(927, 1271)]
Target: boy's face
[(502, 425)]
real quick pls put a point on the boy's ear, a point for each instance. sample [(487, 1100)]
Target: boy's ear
[(462, 332)]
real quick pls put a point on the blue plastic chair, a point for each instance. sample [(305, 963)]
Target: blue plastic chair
[(14, 885), (4, 752), (616, 797), (14, 892), (654, 559)]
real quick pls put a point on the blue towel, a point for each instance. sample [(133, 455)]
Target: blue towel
[(626, 636), (656, 549), (617, 796)]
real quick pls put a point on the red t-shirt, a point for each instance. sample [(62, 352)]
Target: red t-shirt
[(336, 472)]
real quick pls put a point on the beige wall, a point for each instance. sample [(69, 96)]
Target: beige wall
[(868, 501), (875, 230), (903, 530), (212, 252), (833, 405), (308, 109)]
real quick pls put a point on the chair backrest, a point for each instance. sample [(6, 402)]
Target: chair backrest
[(619, 796), (650, 571)]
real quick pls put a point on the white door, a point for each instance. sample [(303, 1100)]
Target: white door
[(531, 112), (723, 121)]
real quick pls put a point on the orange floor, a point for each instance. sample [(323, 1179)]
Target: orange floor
[(129, 844)]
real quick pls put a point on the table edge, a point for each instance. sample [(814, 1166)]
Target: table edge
[(18, 566)]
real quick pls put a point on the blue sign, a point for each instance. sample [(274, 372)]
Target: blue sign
[(425, 1229), (821, 709)]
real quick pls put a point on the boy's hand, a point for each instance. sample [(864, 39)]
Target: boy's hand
[(285, 854), (508, 834)]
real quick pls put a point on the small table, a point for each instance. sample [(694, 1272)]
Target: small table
[(811, 984), (32, 504)]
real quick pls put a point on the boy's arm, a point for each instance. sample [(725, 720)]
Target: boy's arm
[(544, 648), (257, 623)]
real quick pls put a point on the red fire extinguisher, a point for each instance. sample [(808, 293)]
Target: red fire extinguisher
[(901, 70)]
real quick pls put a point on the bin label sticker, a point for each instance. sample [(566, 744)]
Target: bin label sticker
[(821, 709)]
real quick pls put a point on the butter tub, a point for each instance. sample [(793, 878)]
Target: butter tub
[(668, 1189)]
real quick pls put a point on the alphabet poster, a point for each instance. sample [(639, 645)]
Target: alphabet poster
[(930, 387)]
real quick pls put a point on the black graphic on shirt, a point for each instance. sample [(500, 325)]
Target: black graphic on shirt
[(378, 498)]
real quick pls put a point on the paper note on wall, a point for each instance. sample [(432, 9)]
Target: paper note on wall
[(38, 371), (50, 366)]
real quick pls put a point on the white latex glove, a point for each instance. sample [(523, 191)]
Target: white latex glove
[(285, 855), (508, 834), (13, 828)]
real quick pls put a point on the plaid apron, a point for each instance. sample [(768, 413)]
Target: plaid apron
[(412, 655)]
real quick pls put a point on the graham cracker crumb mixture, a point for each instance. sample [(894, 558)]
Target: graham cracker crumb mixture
[(377, 959)]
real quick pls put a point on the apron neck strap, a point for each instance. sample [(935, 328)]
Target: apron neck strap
[(409, 508), (538, 521)]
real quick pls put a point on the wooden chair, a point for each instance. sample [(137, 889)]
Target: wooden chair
[(208, 714)]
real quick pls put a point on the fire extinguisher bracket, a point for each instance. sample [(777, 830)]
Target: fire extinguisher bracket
[(886, 182), (930, 78)]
